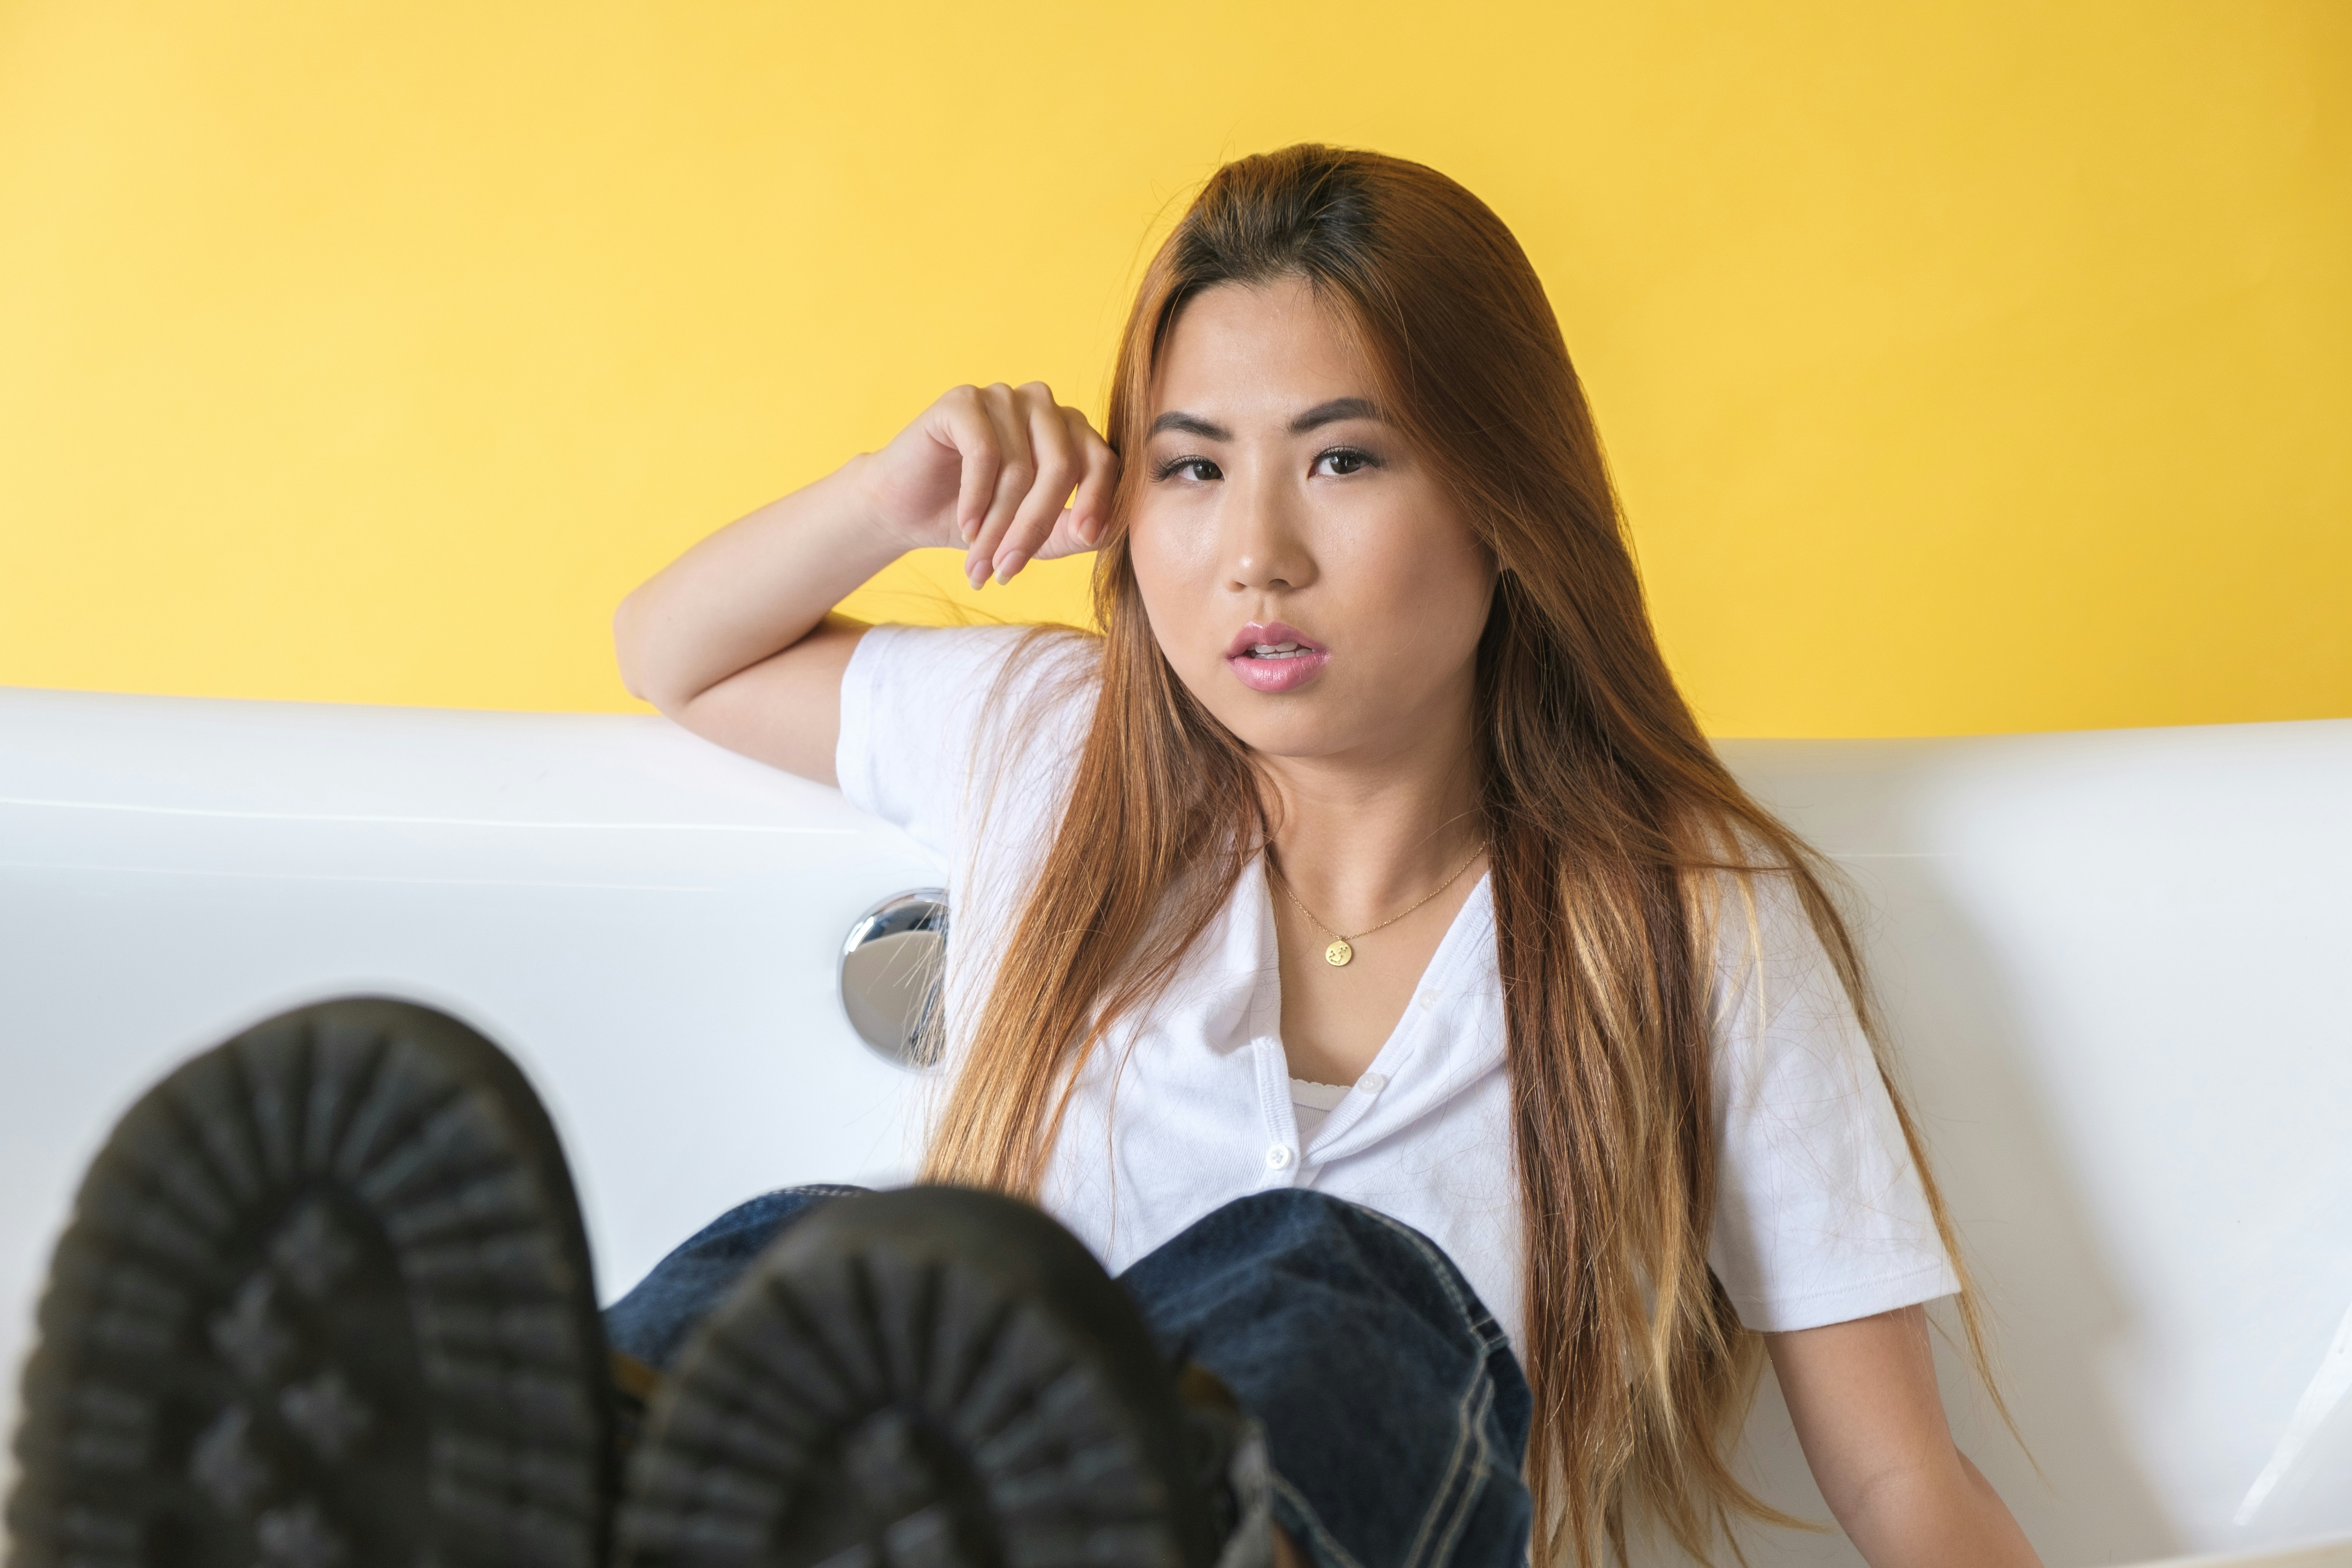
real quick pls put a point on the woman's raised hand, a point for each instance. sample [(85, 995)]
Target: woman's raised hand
[(990, 469), (733, 640)]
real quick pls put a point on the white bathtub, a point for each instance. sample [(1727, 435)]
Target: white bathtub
[(2120, 966)]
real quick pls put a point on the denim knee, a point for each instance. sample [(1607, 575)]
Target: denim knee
[(653, 1321), (1394, 1408), (1294, 1229)]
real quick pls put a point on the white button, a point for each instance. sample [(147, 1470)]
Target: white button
[(1428, 1000), (1277, 1157), (1372, 1082)]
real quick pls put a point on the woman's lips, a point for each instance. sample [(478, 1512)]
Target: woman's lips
[(1275, 657)]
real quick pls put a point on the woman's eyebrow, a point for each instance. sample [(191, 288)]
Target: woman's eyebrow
[(1333, 411), (1191, 424)]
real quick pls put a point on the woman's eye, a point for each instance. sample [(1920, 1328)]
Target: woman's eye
[(1344, 460), (1199, 470)]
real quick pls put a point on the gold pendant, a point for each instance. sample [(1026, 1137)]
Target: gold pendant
[(1338, 953)]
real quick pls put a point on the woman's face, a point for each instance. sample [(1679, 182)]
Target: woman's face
[(1304, 573)]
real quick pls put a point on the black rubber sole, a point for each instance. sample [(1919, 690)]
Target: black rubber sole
[(325, 1302), (932, 1378)]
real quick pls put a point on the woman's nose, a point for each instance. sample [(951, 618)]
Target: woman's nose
[(1264, 546)]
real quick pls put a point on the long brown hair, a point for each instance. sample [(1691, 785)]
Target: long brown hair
[(1616, 839)]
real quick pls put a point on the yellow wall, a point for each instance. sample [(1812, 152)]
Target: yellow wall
[(1968, 367)]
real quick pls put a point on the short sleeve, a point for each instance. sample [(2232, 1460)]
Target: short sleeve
[(940, 724), (1820, 1215)]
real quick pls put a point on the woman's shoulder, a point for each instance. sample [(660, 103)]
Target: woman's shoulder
[(973, 638), (929, 712), (967, 671), (1774, 943), (987, 650)]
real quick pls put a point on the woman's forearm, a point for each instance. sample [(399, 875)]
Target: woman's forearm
[(986, 469), (752, 589), (1941, 1516), (1862, 1397)]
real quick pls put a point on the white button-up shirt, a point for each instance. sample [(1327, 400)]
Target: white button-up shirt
[(1819, 1213)]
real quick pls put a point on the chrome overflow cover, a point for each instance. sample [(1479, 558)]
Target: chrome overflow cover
[(893, 968)]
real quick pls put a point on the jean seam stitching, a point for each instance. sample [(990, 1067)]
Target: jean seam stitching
[(1469, 1438), (1447, 1480), (1475, 1325), (1473, 1476), (1321, 1536)]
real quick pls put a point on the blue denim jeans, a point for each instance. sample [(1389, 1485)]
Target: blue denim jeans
[(1395, 1414)]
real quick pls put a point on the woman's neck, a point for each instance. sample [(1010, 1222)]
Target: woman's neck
[(1360, 838)]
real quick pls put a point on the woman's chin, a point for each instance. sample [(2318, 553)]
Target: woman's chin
[(1308, 726)]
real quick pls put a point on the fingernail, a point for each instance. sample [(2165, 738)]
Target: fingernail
[(1009, 562), (967, 528), (975, 574)]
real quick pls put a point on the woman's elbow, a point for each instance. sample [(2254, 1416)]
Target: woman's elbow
[(638, 676)]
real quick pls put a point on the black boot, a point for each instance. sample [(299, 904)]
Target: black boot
[(325, 1302), (932, 1378)]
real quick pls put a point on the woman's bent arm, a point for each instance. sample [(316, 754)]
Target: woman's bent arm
[(731, 640), (1863, 1399), (735, 640)]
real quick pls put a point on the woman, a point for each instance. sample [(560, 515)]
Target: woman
[(1357, 946), (1374, 797)]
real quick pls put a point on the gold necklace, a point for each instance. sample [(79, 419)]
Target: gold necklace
[(1342, 951)]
